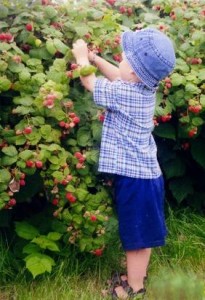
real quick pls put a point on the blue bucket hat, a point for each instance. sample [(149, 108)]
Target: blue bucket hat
[(150, 53)]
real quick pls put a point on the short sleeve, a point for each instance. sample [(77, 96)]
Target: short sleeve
[(105, 93)]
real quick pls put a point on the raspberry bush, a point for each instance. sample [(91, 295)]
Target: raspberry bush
[(50, 129)]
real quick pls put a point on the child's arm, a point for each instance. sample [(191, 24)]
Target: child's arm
[(80, 51), (110, 71)]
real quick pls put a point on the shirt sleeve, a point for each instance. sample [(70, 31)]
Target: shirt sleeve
[(105, 92)]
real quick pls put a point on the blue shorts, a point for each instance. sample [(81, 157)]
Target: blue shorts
[(140, 209)]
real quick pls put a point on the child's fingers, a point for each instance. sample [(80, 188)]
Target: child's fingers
[(80, 42)]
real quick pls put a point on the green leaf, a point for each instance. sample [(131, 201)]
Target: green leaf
[(26, 230), (58, 226), (31, 248), (198, 150), (5, 83), (177, 79), (60, 46), (45, 130), (166, 131), (15, 67), (38, 121), (4, 198), (174, 168), (202, 100), (58, 175), (54, 160), (26, 101), (23, 110), (54, 236), (38, 263), (83, 136), (10, 151), (26, 154), (181, 188), (50, 12), (24, 75), (201, 74), (5, 175), (51, 47), (8, 160), (45, 243), (3, 12), (191, 88), (4, 46), (81, 194), (92, 156), (77, 219), (20, 140), (82, 30), (96, 128), (197, 121), (182, 66)]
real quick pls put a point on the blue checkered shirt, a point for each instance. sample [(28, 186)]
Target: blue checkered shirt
[(127, 146)]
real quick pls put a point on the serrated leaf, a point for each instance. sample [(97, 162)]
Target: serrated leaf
[(181, 188), (38, 263), (45, 243), (26, 230)]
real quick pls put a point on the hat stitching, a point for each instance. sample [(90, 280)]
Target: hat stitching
[(160, 56)]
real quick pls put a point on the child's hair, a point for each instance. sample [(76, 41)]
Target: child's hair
[(150, 53)]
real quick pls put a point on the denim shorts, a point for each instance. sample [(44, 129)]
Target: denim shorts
[(140, 210)]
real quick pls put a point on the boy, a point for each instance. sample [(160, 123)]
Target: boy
[(128, 149)]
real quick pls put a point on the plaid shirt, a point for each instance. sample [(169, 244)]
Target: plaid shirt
[(127, 146)]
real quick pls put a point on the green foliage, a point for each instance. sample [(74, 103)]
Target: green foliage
[(50, 129)]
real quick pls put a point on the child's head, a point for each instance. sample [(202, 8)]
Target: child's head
[(150, 54)]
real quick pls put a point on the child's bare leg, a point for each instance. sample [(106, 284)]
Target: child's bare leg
[(137, 263)]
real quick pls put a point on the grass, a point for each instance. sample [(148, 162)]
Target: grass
[(176, 271)]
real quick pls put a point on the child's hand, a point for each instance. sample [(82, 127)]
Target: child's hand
[(80, 50)]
